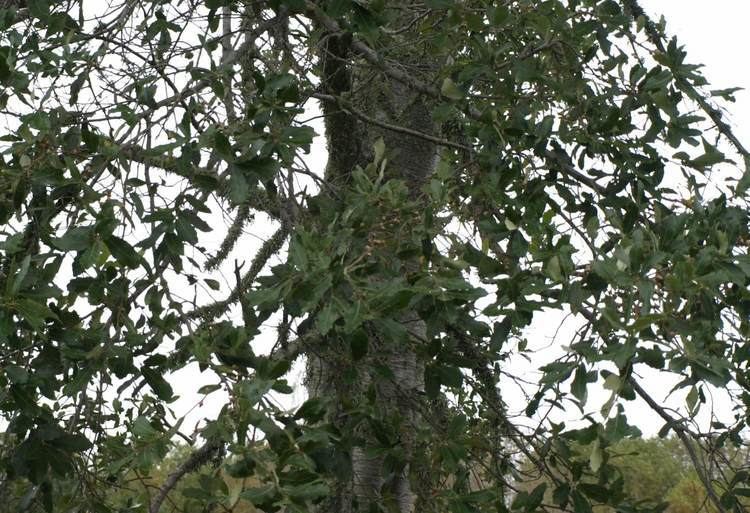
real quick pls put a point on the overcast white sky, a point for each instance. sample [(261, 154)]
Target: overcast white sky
[(715, 34)]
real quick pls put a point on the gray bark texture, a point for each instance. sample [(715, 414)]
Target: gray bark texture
[(411, 159)]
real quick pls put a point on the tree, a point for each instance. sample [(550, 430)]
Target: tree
[(655, 473), (487, 162)]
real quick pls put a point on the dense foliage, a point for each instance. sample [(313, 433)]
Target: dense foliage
[(488, 163)]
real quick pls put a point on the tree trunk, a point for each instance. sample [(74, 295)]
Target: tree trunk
[(411, 159)]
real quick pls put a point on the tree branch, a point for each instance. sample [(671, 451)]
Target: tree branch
[(682, 434), (266, 251), (233, 235), (229, 59), (256, 200), (347, 107), (196, 460), (371, 55), (655, 38)]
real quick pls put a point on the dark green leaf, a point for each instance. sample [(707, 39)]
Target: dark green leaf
[(72, 443), (123, 251), (17, 375), (33, 312), (158, 384), (358, 341)]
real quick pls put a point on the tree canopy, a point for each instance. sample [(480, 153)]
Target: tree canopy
[(488, 162)]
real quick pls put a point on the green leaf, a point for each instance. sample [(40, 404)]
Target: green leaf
[(498, 15), (652, 357), (75, 239), (358, 342), (692, 400), (307, 491), (72, 443), (431, 382), (450, 376), (142, 428), (727, 94), (123, 251), (213, 284), (580, 504), (711, 157), (39, 8), (536, 497), (260, 495), (391, 330), (12, 243), (500, 332), (17, 375), (450, 90), (47, 496), (744, 182), (553, 269), (596, 492), (579, 386), (596, 456), (561, 495), (609, 8), (33, 312), (379, 149), (222, 146), (326, 318), (529, 501), (644, 321), (298, 135), (21, 275), (158, 384), (208, 389)]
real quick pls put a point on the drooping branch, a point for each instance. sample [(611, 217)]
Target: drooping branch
[(229, 59), (257, 199), (490, 394), (682, 433)]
